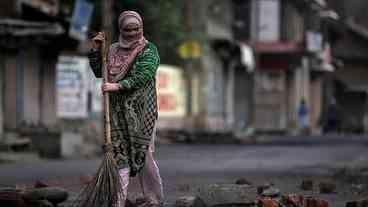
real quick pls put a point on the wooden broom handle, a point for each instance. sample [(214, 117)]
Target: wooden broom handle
[(107, 124)]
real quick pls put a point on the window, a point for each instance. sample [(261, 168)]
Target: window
[(242, 19)]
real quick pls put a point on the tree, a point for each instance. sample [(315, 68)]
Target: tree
[(163, 24)]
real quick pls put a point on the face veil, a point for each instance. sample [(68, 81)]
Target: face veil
[(131, 43), (130, 19)]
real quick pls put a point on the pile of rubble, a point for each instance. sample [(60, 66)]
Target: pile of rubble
[(244, 194), (240, 194), (51, 193), (36, 197)]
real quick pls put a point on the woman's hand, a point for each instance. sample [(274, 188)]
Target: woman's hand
[(98, 40), (111, 87)]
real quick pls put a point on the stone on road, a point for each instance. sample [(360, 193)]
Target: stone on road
[(195, 166)]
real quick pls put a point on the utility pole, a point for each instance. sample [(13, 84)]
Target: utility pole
[(189, 62), (1, 102), (107, 19)]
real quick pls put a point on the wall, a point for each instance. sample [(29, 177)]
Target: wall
[(31, 72), (270, 100), (2, 72), (291, 93), (214, 104), (10, 90), (229, 99), (48, 98), (355, 76), (292, 25), (219, 23), (315, 104), (353, 100), (243, 102), (29, 93), (171, 93)]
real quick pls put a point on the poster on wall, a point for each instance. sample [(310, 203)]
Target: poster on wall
[(72, 87), (171, 92), (314, 41), (268, 20), (80, 20), (96, 95)]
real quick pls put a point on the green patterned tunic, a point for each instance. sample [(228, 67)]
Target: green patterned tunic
[(134, 109)]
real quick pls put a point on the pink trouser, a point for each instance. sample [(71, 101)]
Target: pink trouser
[(147, 183)]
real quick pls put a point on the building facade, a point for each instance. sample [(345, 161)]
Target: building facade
[(260, 59), (31, 38), (349, 86)]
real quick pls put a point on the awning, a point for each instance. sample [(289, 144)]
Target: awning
[(49, 7), (278, 47), (22, 28), (357, 29)]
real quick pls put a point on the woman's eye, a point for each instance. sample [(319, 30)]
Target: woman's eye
[(131, 30)]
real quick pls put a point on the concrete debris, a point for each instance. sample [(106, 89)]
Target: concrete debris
[(307, 185), (184, 188), (54, 195), (327, 187), (263, 187), (271, 192), (189, 201), (243, 181), (358, 188), (228, 194), (360, 203)]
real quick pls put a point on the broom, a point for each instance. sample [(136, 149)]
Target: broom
[(105, 188)]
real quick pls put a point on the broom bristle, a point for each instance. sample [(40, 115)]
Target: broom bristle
[(105, 188)]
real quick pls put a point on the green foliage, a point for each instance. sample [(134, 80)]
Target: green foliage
[(163, 24)]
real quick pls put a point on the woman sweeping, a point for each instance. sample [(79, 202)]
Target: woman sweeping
[(132, 63)]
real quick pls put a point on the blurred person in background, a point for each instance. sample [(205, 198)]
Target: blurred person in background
[(303, 117), (332, 122), (132, 63)]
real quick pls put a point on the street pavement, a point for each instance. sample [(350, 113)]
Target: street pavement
[(185, 168)]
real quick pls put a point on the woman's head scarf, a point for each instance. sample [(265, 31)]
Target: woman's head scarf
[(131, 43)]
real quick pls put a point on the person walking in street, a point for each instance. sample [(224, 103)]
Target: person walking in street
[(132, 63), (332, 120), (303, 117)]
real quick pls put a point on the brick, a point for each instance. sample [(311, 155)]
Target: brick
[(227, 194), (313, 202), (267, 202), (293, 200)]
